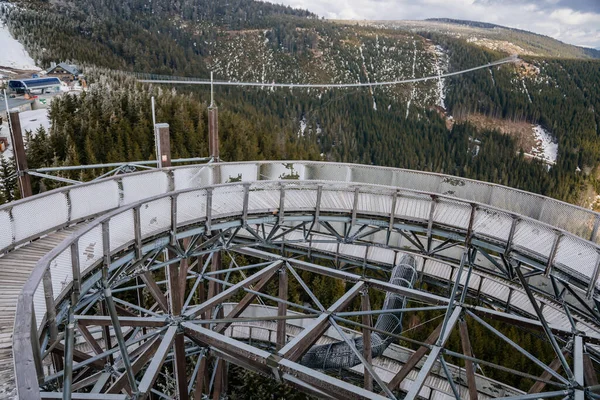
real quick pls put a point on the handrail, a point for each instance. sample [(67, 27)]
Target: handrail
[(25, 333), (574, 219)]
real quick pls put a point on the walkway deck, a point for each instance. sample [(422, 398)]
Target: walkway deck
[(15, 268)]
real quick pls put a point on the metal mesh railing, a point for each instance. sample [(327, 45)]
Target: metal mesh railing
[(27, 219), (121, 228)]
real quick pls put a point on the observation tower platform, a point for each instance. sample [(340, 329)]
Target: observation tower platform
[(106, 283)]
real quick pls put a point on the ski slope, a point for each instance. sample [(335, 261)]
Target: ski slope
[(13, 54)]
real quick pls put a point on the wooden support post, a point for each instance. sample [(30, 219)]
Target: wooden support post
[(163, 137), (201, 378), (366, 336), (282, 308), (106, 332), (555, 365), (244, 303), (220, 385), (590, 377), (469, 367), (175, 296), (19, 152), (414, 359)]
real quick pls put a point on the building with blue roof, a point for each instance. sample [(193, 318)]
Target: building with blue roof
[(21, 86)]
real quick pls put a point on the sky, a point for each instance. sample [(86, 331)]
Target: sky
[(571, 21)]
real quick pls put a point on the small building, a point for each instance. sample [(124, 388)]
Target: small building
[(64, 71), (22, 86)]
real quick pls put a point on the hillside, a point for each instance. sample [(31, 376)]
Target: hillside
[(405, 125), (490, 36)]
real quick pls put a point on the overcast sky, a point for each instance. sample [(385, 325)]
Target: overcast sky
[(571, 21)]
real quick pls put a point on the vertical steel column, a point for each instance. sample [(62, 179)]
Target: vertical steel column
[(366, 336), (162, 131), (51, 317), (282, 308), (69, 343), (20, 157), (213, 127), (110, 304)]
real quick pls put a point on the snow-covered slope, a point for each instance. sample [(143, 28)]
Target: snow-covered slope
[(12, 53)]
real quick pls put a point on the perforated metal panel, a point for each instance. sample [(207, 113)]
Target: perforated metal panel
[(577, 256), (416, 181), (263, 197), (374, 203), (300, 199), (191, 206), (227, 200), (193, 177), (414, 207), (93, 199), (320, 172), (155, 216), (90, 248), (239, 173), (337, 201), (6, 230), (452, 214), (39, 305), (39, 215), (143, 186), (370, 175), (492, 224), (534, 237), (518, 202), (121, 229), (61, 269), (283, 171), (577, 221)]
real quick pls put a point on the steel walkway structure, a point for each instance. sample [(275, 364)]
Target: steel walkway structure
[(139, 269)]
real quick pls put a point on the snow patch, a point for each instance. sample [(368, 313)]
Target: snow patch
[(13, 54), (302, 126), (441, 67), (546, 147), (32, 120), (414, 90)]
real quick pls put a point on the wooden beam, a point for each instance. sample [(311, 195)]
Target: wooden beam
[(555, 365), (90, 339), (180, 367), (296, 348), (226, 294), (99, 320), (202, 378), (156, 364), (20, 156), (282, 308), (413, 360), (163, 138), (245, 302), (79, 356), (590, 377), (121, 382), (469, 367), (155, 291)]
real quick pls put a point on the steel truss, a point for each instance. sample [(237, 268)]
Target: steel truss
[(153, 309)]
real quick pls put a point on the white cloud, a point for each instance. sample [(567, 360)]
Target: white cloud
[(547, 17)]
